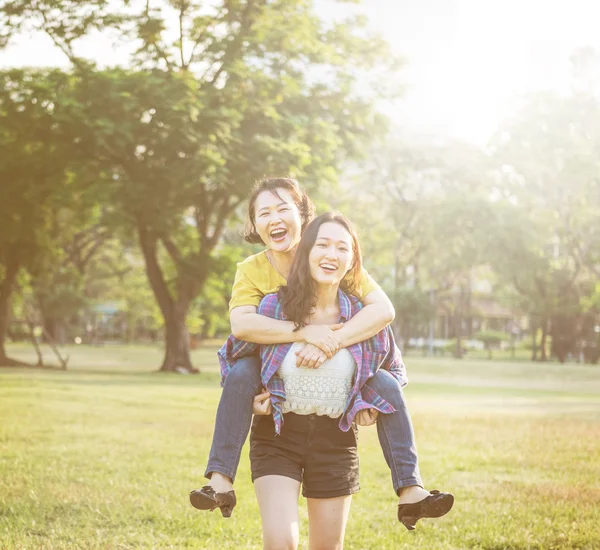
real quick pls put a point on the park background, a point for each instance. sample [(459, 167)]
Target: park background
[(462, 138)]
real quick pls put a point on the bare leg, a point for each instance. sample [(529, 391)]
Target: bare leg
[(220, 483), (327, 518), (413, 493), (278, 503)]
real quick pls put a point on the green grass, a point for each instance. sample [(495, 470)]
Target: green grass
[(102, 456)]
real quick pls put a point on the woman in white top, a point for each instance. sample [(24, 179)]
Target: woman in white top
[(312, 410), (311, 450)]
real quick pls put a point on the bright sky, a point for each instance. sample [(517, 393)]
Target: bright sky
[(467, 59)]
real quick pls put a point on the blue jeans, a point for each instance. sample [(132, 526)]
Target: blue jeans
[(395, 432), (234, 416)]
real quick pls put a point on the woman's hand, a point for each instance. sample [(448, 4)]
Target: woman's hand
[(262, 403), (310, 356), (366, 417), (323, 337)]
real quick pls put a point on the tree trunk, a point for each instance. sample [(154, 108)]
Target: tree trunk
[(177, 343), (534, 328), (48, 322), (458, 332), (431, 323), (54, 329), (36, 344), (177, 338), (458, 323), (6, 289), (543, 356)]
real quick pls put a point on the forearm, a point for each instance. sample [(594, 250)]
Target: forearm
[(370, 320), (259, 329)]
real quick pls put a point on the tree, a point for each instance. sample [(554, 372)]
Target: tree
[(491, 339), (548, 238), (247, 88), (36, 147), (421, 207)]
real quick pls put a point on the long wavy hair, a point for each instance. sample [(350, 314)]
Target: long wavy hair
[(298, 298), (304, 204)]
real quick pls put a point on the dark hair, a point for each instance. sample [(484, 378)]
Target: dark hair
[(304, 204), (298, 297)]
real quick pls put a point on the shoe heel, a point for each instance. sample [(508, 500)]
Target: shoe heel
[(410, 525), (226, 511)]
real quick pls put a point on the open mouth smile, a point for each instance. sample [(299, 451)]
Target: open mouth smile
[(328, 268), (278, 234)]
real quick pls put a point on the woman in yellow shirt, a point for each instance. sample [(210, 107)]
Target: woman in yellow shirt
[(278, 212)]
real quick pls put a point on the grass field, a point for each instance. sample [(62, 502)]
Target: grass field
[(102, 456)]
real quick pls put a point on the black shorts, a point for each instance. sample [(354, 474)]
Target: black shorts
[(311, 449)]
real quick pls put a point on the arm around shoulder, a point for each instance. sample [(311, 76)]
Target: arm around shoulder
[(240, 319), (261, 325), (382, 305), (377, 313)]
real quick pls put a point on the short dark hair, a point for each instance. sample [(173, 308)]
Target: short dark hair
[(304, 204)]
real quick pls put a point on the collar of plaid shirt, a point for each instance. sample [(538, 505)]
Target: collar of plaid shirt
[(380, 351)]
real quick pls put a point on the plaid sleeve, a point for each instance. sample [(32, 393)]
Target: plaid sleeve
[(232, 350), (393, 360), (270, 307), (379, 351), (383, 345), (272, 355)]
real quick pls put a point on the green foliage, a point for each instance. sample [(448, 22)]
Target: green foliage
[(421, 208), (418, 205), (491, 339), (37, 146), (413, 303), (174, 142), (547, 242), (161, 153), (450, 347)]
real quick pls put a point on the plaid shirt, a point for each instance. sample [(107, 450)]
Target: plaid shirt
[(380, 351)]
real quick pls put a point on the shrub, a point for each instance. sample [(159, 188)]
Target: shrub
[(491, 339)]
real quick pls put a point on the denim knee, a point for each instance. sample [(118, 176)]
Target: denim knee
[(387, 387), (244, 376)]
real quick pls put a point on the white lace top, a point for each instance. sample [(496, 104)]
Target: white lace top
[(323, 391)]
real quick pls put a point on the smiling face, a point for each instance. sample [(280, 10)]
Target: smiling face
[(277, 220), (331, 256)]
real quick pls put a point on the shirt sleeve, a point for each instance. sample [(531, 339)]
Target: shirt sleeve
[(367, 284), (393, 361), (244, 291), (270, 307)]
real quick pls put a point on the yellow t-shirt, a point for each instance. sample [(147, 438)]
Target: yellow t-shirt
[(256, 277)]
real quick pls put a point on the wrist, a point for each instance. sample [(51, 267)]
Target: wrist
[(340, 336)]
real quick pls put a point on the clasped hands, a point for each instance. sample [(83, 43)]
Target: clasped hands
[(321, 344)]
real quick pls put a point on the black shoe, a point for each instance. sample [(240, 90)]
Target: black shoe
[(207, 499), (434, 506)]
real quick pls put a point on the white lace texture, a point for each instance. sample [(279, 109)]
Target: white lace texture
[(323, 391)]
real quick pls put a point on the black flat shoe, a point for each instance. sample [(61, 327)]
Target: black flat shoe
[(207, 499), (434, 506)]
